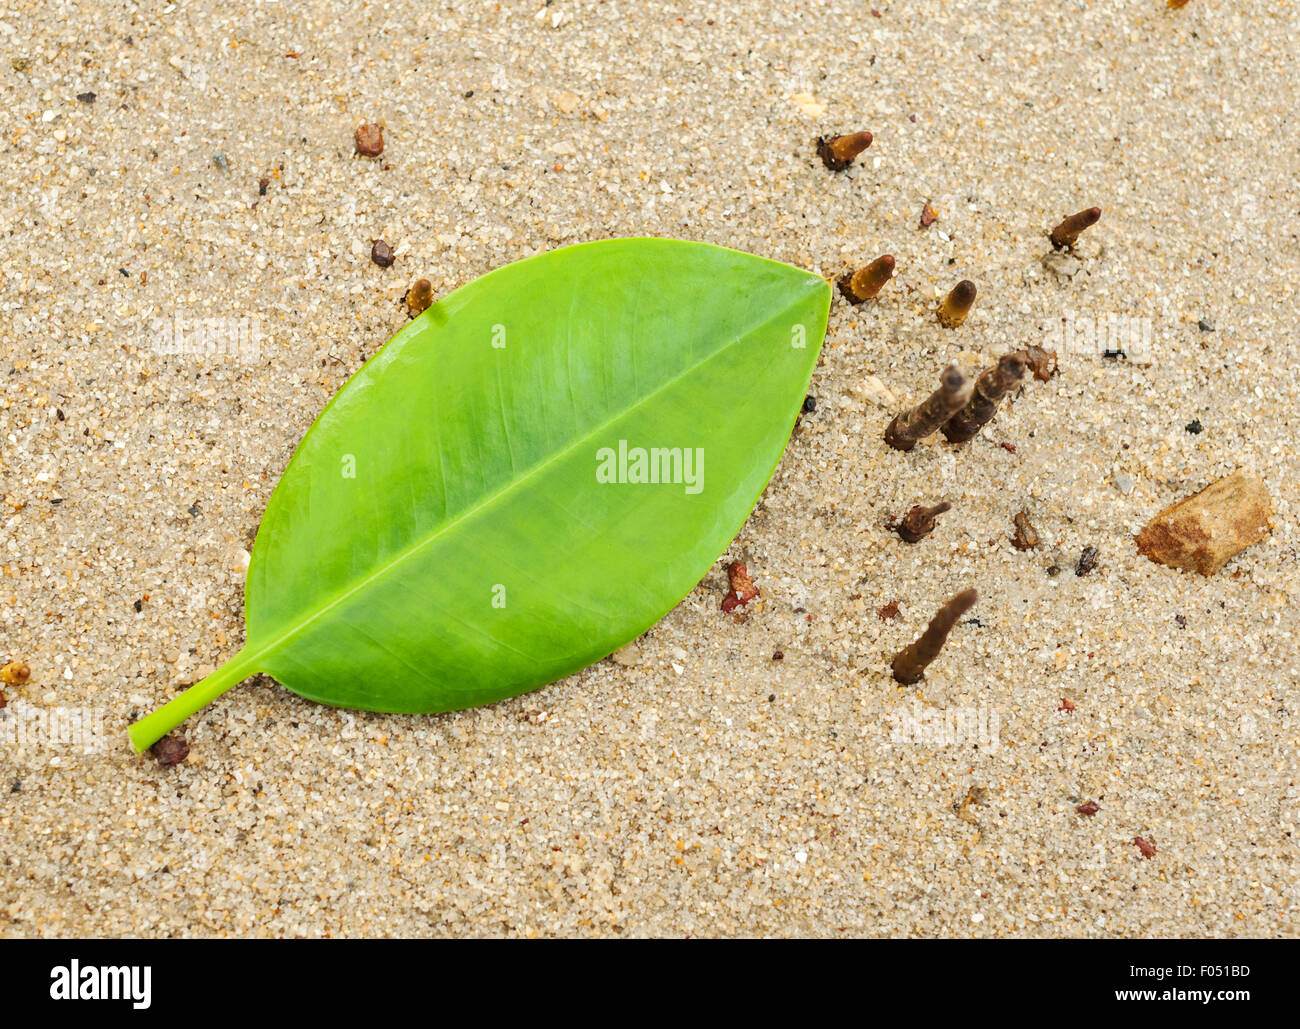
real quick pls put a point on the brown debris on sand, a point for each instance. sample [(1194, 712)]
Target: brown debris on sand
[(957, 304), (1041, 362), (919, 522), (420, 297), (369, 140), (743, 589), (862, 285), (909, 666), (1203, 532), (1026, 536), (170, 750), (989, 390), (838, 152), (15, 673), (910, 427), (1065, 235)]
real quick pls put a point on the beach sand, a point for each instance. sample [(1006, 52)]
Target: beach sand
[(706, 788)]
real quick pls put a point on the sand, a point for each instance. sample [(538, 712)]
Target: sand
[(705, 788)]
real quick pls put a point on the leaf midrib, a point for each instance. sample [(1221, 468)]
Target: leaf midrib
[(258, 651)]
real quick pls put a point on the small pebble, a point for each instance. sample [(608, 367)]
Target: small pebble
[(743, 589), (369, 140), (1123, 483), (1194, 427), (809, 404), (219, 159), (1087, 561), (15, 673), (170, 750), (86, 98), (382, 254), (1205, 531), (1205, 325)]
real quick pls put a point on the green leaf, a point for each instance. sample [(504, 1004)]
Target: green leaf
[(463, 522)]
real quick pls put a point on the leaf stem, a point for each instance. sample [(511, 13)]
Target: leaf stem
[(153, 727)]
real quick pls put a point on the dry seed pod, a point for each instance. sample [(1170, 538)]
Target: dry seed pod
[(862, 285), (989, 390), (1067, 233), (910, 427), (838, 152), (909, 665), (957, 304), (420, 297), (1201, 533), (918, 523)]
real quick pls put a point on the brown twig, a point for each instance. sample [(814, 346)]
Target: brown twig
[(909, 665), (838, 152), (918, 523), (990, 388), (862, 285), (910, 427), (957, 304), (1065, 235)]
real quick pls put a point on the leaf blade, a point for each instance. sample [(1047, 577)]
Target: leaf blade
[(475, 467)]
